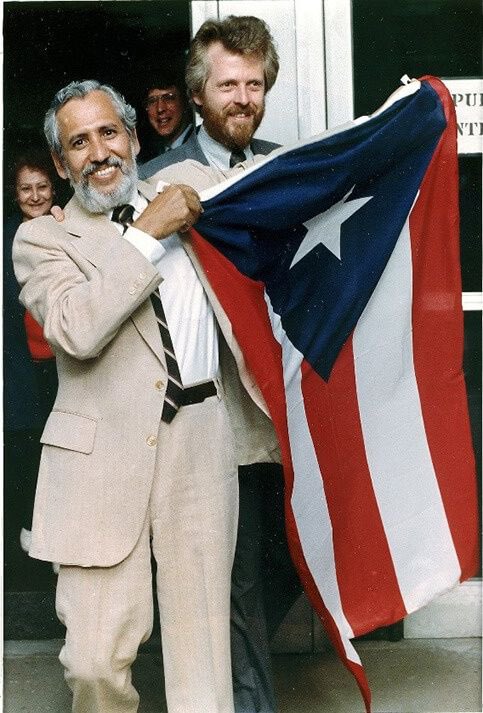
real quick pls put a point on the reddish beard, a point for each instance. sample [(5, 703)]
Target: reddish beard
[(231, 134)]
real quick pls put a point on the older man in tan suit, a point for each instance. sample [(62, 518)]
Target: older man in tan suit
[(137, 458)]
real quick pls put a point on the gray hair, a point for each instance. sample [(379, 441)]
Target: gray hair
[(78, 90), (245, 35)]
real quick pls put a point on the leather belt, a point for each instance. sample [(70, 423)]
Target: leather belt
[(198, 393)]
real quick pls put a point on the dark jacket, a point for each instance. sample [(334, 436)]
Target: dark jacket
[(21, 397)]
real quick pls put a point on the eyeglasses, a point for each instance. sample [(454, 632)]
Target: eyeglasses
[(168, 98)]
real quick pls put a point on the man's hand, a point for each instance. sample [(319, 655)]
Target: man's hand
[(173, 210), (57, 213)]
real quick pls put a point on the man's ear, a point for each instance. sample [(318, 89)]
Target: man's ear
[(135, 141), (196, 98), (59, 165)]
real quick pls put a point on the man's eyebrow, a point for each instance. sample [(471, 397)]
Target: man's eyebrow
[(74, 137), (103, 127)]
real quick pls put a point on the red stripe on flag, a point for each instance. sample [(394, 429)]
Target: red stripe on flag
[(438, 340), (372, 598), (243, 301)]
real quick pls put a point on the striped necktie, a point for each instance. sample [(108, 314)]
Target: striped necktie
[(174, 391), (123, 214)]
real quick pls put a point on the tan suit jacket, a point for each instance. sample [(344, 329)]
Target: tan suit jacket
[(90, 290)]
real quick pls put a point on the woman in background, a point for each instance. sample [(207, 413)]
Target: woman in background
[(29, 372)]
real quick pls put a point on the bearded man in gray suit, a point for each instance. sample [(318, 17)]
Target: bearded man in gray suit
[(137, 458), (232, 64)]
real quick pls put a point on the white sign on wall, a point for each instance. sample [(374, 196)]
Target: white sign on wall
[(468, 100)]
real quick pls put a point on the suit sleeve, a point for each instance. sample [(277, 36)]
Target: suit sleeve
[(81, 289)]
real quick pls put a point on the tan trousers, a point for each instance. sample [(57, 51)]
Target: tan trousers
[(191, 528)]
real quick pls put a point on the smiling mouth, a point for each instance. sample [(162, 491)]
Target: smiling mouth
[(241, 115), (104, 172), (163, 123)]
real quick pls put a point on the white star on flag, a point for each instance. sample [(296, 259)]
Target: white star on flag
[(325, 228)]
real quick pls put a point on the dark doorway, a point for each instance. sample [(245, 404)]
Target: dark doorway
[(47, 45)]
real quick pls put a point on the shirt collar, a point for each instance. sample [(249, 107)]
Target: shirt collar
[(217, 154), (180, 139), (138, 201)]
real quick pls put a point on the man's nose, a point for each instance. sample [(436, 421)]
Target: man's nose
[(161, 104), (241, 94), (98, 150)]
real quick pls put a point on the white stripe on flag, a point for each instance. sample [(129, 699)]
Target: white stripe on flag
[(395, 438), (308, 500)]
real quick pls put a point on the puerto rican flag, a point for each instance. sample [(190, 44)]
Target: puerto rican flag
[(337, 260)]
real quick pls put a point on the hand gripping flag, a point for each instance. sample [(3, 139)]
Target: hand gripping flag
[(337, 261)]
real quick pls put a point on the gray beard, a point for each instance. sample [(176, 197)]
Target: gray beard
[(95, 201)]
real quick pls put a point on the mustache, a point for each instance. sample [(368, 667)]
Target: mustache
[(110, 161), (249, 110)]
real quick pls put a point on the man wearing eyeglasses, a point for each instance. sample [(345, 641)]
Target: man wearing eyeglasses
[(168, 114)]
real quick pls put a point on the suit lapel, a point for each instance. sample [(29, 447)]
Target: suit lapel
[(87, 228), (147, 190), (193, 150), (144, 318), (145, 322), (263, 147)]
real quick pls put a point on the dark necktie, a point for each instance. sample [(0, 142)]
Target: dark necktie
[(124, 215), (173, 399), (237, 156)]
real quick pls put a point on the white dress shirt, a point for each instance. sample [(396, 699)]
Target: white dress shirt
[(189, 315)]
